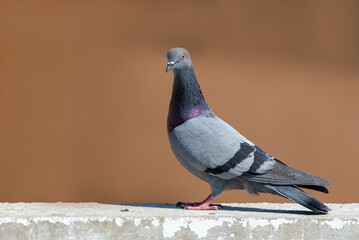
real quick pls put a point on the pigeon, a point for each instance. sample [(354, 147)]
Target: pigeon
[(215, 152)]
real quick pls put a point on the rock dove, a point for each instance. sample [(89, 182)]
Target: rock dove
[(215, 152)]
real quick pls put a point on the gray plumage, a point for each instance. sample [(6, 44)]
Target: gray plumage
[(212, 150)]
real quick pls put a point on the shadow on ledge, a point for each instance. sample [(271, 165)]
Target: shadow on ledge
[(225, 208)]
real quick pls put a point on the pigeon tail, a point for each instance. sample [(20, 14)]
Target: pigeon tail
[(299, 196)]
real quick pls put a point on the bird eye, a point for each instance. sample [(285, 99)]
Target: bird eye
[(183, 56)]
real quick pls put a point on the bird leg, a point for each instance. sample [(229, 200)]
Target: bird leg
[(205, 205)]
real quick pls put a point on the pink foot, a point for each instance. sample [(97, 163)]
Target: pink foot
[(205, 205), (198, 206)]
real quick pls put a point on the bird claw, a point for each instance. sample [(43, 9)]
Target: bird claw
[(198, 206), (219, 206), (204, 207), (186, 204)]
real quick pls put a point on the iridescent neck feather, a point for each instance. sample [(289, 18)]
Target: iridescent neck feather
[(187, 99)]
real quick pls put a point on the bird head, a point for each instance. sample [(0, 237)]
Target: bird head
[(178, 59)]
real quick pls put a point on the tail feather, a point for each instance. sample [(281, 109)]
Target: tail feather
[(297, 195), (316, 188)]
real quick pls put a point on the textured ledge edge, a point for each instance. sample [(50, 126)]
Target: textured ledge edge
[(164, 221)]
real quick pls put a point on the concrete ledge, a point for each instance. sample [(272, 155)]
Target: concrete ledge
[(164, 221)]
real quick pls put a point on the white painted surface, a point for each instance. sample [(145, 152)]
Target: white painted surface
[(156, 221)]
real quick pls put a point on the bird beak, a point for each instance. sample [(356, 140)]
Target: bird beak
[(169, 65)]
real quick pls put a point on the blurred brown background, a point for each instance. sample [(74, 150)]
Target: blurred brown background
[(84, 94)]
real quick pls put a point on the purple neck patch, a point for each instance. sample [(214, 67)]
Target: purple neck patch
[(187, 100), (177, 116), (194, 112)]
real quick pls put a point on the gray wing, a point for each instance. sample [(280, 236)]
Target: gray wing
[(208, 144), (284, 175)]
